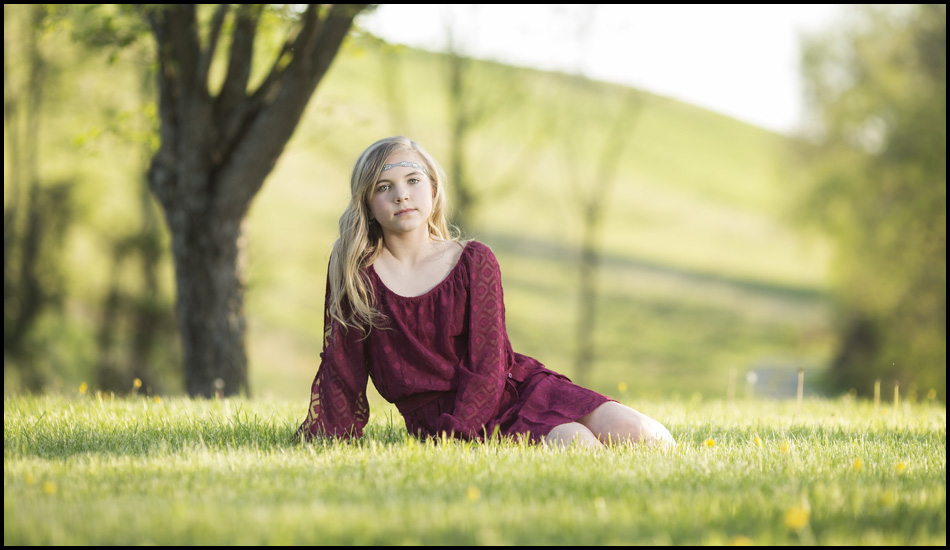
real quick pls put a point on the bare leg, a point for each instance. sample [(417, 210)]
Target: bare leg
[(572, 433), (615, 423)]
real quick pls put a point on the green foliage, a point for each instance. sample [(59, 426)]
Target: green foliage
[(92, 133), (100, 470), (878, 95), (37, 211)]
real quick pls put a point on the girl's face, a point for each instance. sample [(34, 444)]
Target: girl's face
[(401, 200)]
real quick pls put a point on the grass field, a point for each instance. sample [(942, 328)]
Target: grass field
[(705, 280), (89, 470)]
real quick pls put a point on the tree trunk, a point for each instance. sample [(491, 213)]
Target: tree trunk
[(209, 272), (215, 154), (460, 122), (587, 291), (593, 206)]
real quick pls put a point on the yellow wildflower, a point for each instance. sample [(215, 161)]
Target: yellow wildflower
[(136, 384), (785, 446), (622, 387), (49, 488), (796, 517), (710, 443), (473, 493), (758, 442), (858, 464), (158, 399), (740, 540), (901, 466), (82, 388)]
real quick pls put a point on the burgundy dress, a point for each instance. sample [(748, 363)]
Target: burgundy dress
[(445, 361)]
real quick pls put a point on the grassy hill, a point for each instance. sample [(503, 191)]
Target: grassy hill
[(703, 270), (704, 276)]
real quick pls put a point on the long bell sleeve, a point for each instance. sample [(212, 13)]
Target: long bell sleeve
[(482, 376), (338, 405)]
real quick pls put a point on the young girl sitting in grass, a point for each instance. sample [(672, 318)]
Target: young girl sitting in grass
[(423, 315)]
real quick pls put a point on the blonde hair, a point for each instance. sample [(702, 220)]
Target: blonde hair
[(361, 242)]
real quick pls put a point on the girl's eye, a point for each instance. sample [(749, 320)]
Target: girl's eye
[(414, 180), (382, 188)]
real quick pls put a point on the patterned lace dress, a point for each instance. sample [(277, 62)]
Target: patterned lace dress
[(445, 361)]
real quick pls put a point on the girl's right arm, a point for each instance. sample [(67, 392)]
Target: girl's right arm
[(338, 405)]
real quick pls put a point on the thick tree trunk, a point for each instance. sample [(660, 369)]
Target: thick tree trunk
[(209, 272), (209, 255), (215, 153)]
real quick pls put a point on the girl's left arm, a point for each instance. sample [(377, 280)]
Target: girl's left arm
[(481, 382)]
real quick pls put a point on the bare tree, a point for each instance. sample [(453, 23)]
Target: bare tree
[(592, 193), (215, 152), (477, 93), (600, 128)]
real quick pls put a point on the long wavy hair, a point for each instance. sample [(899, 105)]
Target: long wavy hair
[(361, 240)]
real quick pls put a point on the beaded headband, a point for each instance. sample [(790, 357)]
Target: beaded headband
[(408, 163)]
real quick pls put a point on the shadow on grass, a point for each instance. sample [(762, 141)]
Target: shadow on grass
[(566, 254)]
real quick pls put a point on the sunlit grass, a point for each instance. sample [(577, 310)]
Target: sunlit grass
[(94, 469)]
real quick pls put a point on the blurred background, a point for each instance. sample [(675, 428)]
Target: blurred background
[(780, 212)]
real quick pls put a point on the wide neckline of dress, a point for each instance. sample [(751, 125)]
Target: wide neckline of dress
[(449, 275)]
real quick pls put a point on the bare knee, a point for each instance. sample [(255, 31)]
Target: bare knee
[(572, 433), (615, 423)]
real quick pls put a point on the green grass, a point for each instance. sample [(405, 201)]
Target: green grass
[(89, 471)]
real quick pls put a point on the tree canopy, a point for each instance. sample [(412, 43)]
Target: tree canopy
[(877, 94)]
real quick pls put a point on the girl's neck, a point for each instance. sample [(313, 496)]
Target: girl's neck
[(409, 249), (410, 267)]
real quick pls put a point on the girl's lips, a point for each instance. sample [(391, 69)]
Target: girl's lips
[(406, 211)]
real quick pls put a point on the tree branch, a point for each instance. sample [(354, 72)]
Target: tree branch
[(161, 179), (185, 45), (207, 56), (277, 106), (232, 107), (234, 89)]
